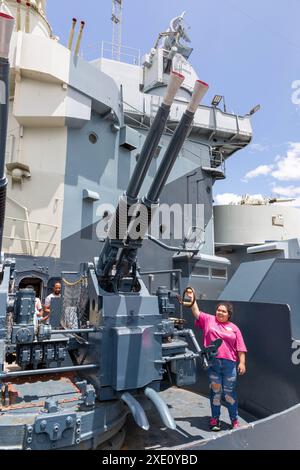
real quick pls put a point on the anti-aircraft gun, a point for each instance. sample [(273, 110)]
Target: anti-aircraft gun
[(73, 386), (140, 328)]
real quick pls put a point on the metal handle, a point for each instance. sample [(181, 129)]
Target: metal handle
[(188, 303)]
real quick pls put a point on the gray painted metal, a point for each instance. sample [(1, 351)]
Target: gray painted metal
[(96, 427), (281, 285), (161, 407), (269, 280), (127, 346), (59, 370), (4, 81), (278, 432), (136, 410), (148, 151), (169, 158), (246, 280)]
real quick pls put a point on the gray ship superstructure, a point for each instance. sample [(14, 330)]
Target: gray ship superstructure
[(108, 345), (259, 228), (76, 147)]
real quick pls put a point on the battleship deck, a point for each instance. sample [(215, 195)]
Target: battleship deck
[(191, 413)]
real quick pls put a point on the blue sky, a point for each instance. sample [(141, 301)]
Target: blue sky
[(248, 51)]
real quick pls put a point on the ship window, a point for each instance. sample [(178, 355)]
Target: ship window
[(93, 138), (218, 273), (278, 221), (201, 271)]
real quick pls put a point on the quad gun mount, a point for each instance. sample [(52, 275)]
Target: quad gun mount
[(122, 341)]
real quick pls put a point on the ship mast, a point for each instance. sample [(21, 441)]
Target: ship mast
[(117, 13)]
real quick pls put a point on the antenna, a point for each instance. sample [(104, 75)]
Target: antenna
[(117, 13)]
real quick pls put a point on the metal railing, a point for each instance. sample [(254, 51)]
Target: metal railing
[(218, 161), (108, 50), (33, 242), (129, 55)]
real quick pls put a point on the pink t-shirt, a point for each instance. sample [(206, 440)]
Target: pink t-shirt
[(230, 334)]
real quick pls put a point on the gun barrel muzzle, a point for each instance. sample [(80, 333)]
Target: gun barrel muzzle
[(200, 91), (176, 80)]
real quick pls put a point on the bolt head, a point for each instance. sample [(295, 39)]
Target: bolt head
[(69, 421), (43, 424)]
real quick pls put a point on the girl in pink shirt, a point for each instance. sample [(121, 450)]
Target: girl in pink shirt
[(230, 359)]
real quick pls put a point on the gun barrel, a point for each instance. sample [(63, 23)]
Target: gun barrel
[(27, 18), (18, 26), (153, 138), (79, 39), (72, 32), (6, 29), (176, 144), (118, 231)]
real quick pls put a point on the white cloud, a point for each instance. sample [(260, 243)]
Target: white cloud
[(234, 199), (261, 170), (289, 191), (288, 167), (227, 198)]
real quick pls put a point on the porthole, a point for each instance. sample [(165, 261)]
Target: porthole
[(93, 138)]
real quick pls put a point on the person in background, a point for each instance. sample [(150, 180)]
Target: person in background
[(230, 359), (38, 310), (56, 293)]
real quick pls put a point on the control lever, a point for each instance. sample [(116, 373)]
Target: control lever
[(209, 353)]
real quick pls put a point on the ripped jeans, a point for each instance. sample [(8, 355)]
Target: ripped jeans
[(222, 376)]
